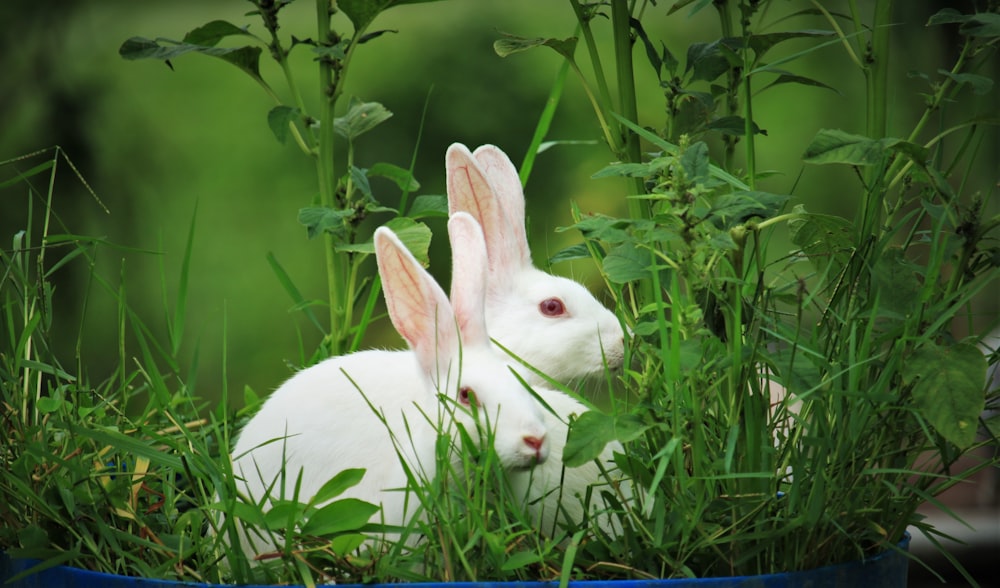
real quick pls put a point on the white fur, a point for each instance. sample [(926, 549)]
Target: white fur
[(577, 344), (320, 422)]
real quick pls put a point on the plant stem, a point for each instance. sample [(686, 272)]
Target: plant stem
[(622, 29), (325, 170)]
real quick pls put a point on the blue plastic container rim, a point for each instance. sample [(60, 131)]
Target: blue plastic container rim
[(81, 578)]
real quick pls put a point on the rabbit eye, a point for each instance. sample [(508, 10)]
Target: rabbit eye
[(552, 307), (467, 396)]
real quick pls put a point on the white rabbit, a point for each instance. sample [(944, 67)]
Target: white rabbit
[(552, 323), (319, 422)]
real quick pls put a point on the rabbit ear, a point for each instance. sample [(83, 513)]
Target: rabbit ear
[(507, 189), (471, 191), (468, 277), (417, 306)]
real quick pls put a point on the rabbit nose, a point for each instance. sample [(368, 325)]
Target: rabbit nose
[(535, 443)]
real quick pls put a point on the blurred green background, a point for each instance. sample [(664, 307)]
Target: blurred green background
[(158, 145)]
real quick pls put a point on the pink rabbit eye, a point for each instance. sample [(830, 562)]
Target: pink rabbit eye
[(467, 396), (552, 307)]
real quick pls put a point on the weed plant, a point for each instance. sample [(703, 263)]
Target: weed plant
[(798, 383)]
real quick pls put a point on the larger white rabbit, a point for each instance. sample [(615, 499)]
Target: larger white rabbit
[(320, 422), (552, 323)]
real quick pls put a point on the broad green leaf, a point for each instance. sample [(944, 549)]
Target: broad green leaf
[(706, 61), (695, 162), (590, 433), (283, 513), (510, 44), (127, 444), (348, 514), (948, 388), (429, 205), (730, 210), (627, 263), (980, 84), (947, 16), (360, 118), (363, 12), (578, 251), (320, 219), (828, 241), (211, 33), (278, 119), (604, 228), (337, 485), (520, 559), (836, 146), (734, 125), (359, 178), (246, 58), (402, 177), (49, 404)]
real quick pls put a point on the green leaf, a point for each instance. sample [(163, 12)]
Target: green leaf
[(708, 61), (320, 219), (402, 177), (788, 78), (761, 44), (948, 388), (283, 514), (836, 146), (736, 208), (895, 280), (429, 205), (520, 559), (279, 118), (590, 433), (695, 162), (210, 34), (980, 84), (510, 44), (49, 404), (246, 58), (627, 263), (578, 251), (363, 12), (360, 118), (337, 485), (734, 125), (346, 515), (828, 241), (632, 170)]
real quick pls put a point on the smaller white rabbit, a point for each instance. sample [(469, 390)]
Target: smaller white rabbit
[(320, 422), (552, 323), (556, 495)]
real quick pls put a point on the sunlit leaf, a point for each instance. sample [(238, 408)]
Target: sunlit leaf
[(348, 514), (591, 432), (627, 263), (360, 118), (338, 484)]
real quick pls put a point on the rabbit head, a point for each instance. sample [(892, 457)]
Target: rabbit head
[(552, 323), (452, 347)]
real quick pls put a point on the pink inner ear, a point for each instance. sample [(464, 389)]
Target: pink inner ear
[(468, 277), (418, 308), (502, 176)]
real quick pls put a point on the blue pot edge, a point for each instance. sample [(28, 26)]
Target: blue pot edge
[(18, 566)]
